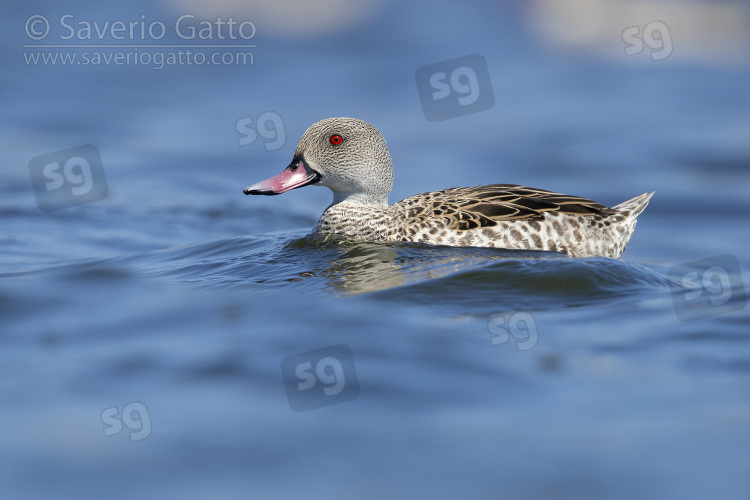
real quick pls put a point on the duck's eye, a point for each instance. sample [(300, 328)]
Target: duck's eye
[(336, 139)]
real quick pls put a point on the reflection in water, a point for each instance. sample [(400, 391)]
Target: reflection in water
[(365, 267), (355, 268)]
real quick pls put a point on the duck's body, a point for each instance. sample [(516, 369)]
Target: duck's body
[(350, 157), (498, 215)]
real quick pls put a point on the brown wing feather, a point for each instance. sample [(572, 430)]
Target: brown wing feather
[(484, 206)]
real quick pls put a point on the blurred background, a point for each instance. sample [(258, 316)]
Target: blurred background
[(143, 324)]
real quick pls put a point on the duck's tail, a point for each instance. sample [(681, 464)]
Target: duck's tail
[(633, 207), (624, 223)]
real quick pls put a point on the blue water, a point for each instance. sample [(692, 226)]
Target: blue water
[(175, 298)]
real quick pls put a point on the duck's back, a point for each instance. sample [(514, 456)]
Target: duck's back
[(517, 217)]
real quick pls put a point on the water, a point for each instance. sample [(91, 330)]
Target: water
[(143, 334)]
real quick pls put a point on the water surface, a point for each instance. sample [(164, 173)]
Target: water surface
[(482, 372)]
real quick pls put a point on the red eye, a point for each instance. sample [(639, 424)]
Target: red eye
[(336, 139)]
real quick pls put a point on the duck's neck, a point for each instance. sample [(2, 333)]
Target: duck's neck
[(352, 219), (359, 198)]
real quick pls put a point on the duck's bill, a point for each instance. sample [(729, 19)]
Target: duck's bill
[(296, 175)]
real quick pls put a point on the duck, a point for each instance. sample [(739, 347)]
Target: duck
[(350, 157)]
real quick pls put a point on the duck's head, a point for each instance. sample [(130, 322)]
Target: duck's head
[(347, 155)]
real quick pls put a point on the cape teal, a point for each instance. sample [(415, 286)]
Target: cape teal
[(351, 158)]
